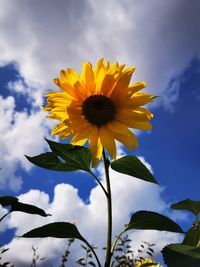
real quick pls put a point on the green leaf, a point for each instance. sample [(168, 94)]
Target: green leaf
[(50, 161), (132, 166), (57, 229), (19, 206), (181, 255), (192, 237), (149, 220), (188, 204), (64, 157), (8, 200), (78, 157)]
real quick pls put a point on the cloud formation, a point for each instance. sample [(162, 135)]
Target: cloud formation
[(21, 133), (159, 38)]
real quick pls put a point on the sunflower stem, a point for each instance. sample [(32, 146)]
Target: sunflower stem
[(109, 205), (94, 176), (115, 242), (5, 216), (93, 251)]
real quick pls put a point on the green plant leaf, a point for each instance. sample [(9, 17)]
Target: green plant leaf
[(78, 157), (192, 237), (50, 161), (64, 157), (181, 255), (132, 166), (57, 229), (27, 208), (149, 220), (19, 206), (188, 204), (8, 200)]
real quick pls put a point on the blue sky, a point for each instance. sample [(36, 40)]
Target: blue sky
[(34, 47)]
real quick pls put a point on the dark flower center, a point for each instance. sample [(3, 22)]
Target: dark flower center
[(98, 110)]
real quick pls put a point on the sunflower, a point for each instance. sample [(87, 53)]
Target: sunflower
[(99, 106), (147, 260)]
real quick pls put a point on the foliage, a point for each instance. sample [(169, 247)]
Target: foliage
[(4, 264), (66, 253), (36, 257), (87, 260), (15, 205)]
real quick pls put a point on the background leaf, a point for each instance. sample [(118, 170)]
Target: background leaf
[(187, 204), (8, 200), (57, 229), (19, 206), (192, 237), (132, 166), (149, 220), (64, 157), (181, 255)]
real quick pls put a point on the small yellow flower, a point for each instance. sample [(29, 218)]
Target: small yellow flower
[(147, 260), (99, 106)]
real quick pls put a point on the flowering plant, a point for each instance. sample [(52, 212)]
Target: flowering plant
[(98, 107)]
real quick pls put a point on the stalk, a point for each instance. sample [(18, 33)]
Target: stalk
[(5, 216), (109, 205), (93, 251)]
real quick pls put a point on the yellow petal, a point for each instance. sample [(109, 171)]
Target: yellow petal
[(60, 112), (140, 125), (99, 74), (88, 77), (148, 113), (107, 84), (72, 76), (99, 66), (78, 140), (141, 99), (95, 146), (113, 68), (131, 114), (65, 134), (123, 134), (121, 88), (67, 87), (108, 141), (59, 128), (137, 87), (133, 119)]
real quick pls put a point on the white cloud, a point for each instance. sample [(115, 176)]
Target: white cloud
[(129, 195), (21, 133), (159, 38)]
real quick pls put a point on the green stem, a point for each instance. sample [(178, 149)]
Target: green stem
[(99, 264), (5, 216), (198, 227), (116, 240), (109, 205), (99, 183)]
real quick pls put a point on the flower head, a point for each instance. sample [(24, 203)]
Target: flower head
[(99, 106), (147, 260)]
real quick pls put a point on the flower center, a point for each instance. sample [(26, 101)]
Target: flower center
[(98, 110)]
